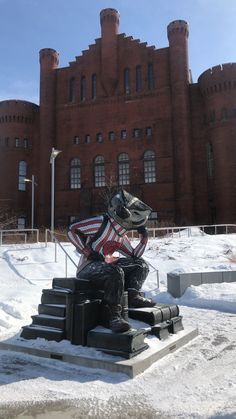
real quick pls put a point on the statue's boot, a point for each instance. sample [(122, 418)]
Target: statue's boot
[(136, 300), (116, 322)]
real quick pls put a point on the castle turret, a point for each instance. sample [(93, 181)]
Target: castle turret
[(49, 60), (109, 19), (178, 32), (18, 150), (218, 88)]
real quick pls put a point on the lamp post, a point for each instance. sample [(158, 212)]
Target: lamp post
[(53, 156), (33, 184)]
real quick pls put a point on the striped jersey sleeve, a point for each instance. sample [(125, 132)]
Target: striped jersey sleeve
[(80, 231), (127, 250)]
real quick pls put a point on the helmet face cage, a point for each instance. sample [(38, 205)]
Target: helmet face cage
[(127, 210)]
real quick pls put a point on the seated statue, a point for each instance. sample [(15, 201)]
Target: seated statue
[(97, 238)]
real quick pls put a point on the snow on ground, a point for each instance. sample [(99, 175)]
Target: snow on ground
[(197, 381)]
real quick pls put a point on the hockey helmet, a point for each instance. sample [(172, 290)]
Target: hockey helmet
[(128, 210)]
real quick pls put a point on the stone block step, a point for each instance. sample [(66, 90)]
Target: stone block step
[(58, 310), (72, 284), (52, 296), (49, 320), (48, 333)]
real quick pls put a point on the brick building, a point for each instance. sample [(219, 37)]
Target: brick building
[(124, 113)]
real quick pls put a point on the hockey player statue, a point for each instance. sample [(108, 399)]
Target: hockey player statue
[(97, 238)]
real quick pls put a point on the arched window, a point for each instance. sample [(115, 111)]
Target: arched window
[(22, 175), (150, 77), (138, 78), (94, 86), (149, 166), (99, 171), (210, 161), (83, 88), (126, 81), (75, 174), (72, 89), (123, 169)]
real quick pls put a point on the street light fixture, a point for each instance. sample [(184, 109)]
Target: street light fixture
[(33, 184), (53, 156)]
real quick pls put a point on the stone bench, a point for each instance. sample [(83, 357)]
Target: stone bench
[(177, 283)]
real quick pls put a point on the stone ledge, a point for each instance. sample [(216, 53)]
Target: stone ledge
[(177, 283), (130, 367)]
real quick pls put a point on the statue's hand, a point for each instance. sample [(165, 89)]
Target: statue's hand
[(96, 257), (143, 231)]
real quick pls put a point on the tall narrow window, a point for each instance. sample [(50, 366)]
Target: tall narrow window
[(94, 86), (210, 161), (26, 143), (83, 88), (138, 78), (17, 142), (149, 166), (126, 81), (21, 222), (150, 77), (72, 89), (123, 134), (99, 171), (123, 169), (22, 175), (75, 174), (148, 131), (99, 137)]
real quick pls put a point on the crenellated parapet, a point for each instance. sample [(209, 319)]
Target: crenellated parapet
[(178, 27), (48, 58), (217, 79), (19, 111), (109, 20)]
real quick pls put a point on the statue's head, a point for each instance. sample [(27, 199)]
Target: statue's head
[(128, 210)]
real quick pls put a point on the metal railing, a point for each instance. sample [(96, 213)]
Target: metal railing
[(58, 243), (215, 229), (20, 233)]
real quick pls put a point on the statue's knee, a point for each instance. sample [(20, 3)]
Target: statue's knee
[(142, 264)]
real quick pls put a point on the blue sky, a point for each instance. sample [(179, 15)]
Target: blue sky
[(69, 26)]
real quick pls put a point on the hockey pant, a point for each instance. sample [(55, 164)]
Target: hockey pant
[(115, 277)]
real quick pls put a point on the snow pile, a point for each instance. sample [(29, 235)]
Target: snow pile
[(197, 381)]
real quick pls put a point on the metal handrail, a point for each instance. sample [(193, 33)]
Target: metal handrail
[(57, 242)]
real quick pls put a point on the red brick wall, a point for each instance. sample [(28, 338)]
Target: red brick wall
[(179, 113)]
